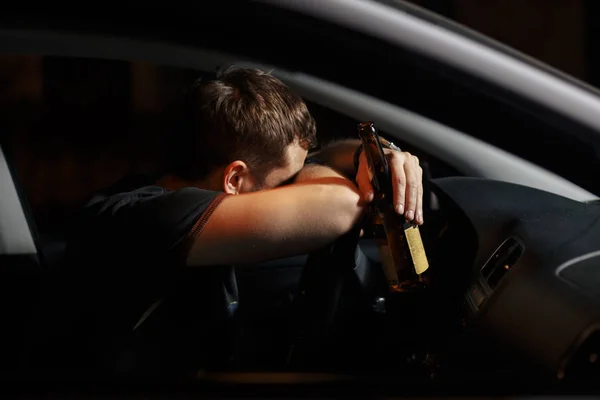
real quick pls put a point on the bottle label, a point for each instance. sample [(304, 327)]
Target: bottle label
[(416, 248)]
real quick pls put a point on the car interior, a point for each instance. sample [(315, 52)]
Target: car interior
[(262, 287), (513, 297), (291, 318)]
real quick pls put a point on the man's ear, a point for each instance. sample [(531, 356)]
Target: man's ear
[(236, 176)]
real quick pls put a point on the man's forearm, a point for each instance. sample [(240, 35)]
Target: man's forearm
[(339, 155), (319, 207), (343, 195)]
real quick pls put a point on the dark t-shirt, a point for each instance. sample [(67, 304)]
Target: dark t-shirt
[(127, 256)]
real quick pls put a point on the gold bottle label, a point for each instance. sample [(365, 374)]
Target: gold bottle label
[(416, 248)]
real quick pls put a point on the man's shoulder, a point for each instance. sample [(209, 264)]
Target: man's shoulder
[(144, 193), (144, 208), (148, 214)]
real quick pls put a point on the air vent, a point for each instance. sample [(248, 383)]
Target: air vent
[(501, 262)]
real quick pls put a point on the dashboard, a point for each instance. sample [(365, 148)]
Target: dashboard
[(517, 276), (534, 281)]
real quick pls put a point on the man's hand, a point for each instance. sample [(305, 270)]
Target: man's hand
[(407, 183)]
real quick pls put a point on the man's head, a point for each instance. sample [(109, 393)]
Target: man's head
[(243, 131)]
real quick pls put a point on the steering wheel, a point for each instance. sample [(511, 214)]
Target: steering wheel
[(326, 274), (316, 305)]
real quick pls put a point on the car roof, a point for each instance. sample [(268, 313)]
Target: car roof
[(458, 28)]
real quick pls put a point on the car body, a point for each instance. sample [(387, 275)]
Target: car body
[(419, 78)]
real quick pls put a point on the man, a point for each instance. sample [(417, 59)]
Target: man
[(160, 251)]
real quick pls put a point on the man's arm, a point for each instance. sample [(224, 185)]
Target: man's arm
[(295, 219), (339, 155), (406, 174)]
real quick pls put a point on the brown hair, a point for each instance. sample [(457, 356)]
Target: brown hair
[(244, 114)]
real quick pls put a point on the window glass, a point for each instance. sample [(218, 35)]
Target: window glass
[(74, 126)]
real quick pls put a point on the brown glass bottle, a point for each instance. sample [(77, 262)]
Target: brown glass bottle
[(403, 255)]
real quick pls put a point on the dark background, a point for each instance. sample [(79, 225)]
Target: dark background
[(74, 126)]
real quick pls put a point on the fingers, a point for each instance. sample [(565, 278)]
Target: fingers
[(412, 188), (363, 179), (419, 215), (396, 162), (407, 184), (407, 179)]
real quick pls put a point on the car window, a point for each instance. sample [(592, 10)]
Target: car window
[(426, 87), (379, 69), (333, 126), (87, 123)]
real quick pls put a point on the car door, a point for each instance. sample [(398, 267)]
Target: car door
[(20, 270)]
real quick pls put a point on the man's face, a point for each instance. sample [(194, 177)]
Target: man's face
[(295, 158)]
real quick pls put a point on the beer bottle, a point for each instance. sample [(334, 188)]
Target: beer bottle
[(403, 256)]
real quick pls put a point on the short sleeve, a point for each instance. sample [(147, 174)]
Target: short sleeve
[(159, 222), (127, 252)]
